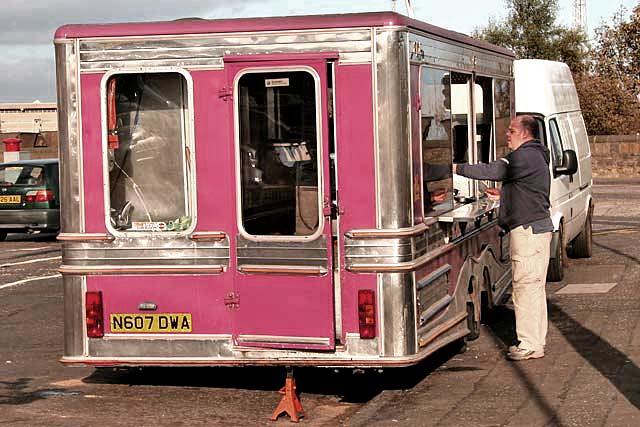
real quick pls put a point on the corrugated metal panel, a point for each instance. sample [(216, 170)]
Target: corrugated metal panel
[(207, 51)]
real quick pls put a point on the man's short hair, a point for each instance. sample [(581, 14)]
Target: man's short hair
[(528, 123)]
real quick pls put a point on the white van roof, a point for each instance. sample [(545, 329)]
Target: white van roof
[(544, 87)]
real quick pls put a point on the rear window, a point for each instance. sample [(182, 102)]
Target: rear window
[(22, 175)]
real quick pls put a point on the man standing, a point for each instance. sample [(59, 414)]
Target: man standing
[(524, 213)]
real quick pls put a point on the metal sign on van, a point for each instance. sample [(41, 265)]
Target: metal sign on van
[(276, 82)]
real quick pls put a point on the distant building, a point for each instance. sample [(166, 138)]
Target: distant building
[(36, 124)]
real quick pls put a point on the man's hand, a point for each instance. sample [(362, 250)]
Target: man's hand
[(493, 193), (439, 196)]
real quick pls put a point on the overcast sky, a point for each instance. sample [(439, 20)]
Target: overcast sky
[(27, 26)]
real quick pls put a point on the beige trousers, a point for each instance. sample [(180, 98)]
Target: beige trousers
[(529, 261)]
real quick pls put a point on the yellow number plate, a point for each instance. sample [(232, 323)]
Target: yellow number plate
[(162, 323), (9, 199)]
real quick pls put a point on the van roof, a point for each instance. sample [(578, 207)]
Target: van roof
[(544, 87), (277, 23)]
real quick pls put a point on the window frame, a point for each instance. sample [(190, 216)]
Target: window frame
[(189, 172), (423, 187), (551, 146), (319, 150), (492, 134), (512, 112)]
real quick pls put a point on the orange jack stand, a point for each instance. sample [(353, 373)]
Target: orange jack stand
[(289, 402)]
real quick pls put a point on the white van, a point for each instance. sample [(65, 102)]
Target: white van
[(545, 90)]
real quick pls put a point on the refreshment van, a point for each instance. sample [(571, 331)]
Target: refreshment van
[(277, 191)]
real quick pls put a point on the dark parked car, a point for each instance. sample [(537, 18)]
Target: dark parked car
[(29, 197)]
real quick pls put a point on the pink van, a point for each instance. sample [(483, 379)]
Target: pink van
[(277, 191)]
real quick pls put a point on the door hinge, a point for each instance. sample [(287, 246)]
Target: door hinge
[(232, 301), (225, 93)]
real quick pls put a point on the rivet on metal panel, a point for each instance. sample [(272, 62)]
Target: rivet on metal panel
[(225, 93), (232, 301)]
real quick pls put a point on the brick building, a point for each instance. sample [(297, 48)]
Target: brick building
[(36, 124)]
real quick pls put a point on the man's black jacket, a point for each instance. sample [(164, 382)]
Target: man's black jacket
[(524, 198)]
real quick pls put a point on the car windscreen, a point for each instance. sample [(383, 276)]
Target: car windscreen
[(25, 175)]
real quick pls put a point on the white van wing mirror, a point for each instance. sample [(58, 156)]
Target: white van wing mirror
[(569, 163)]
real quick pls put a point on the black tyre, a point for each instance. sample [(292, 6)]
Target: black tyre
[(581, 245), (555, 272), (474, 327), (3, 235)]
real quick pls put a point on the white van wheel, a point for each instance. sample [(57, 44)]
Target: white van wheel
[(555, 272), (582, 244)]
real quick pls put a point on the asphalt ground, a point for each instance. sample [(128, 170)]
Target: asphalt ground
[(589, 376)]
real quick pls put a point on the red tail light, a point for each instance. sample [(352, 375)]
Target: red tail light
[(94, 318), (39, 196), (367, 314)]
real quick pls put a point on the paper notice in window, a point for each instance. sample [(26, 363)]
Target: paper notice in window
[(148, 226), (276, 82)]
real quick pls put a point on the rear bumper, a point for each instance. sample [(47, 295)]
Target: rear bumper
[(29, 219)]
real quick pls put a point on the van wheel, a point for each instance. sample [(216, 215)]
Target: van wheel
[(581, 246), (474, 327), (555, 272)]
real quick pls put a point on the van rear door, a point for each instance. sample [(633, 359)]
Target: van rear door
[(283, 282)]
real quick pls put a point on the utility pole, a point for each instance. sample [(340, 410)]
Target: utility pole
[(580, 14), (407, 4)]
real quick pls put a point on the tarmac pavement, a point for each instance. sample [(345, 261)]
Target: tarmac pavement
[(590, 375)]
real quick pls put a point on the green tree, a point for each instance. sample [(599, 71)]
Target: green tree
[(608, 90), (618, 49), (530, 31)]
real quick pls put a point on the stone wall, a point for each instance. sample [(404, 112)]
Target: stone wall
[(615, 156)]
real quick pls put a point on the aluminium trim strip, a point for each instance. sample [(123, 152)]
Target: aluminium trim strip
[(435, 309), (424, 282), (401, 266), (441, 329), (140, 269), (208, 235), (281, 269), (273, 339), (312, 359), (387, 233), (85, 237)]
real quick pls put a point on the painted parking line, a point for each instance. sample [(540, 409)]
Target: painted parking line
[(30, 279), (31, 261), (586, 288), (623, 231)]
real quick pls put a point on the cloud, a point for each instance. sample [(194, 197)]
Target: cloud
[(27, 28), (28, 79), (35, 21)]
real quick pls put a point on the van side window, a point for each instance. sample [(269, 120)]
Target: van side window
[(279, 162), (556, 143), (483, 108), (148, 155), (435, 118), (539, 133), (460, 116), (503, 107)]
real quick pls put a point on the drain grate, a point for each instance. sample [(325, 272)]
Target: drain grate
[(586, 288)]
